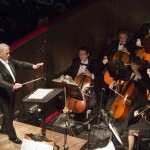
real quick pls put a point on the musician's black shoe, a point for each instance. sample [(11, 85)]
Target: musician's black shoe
[(16, 140)]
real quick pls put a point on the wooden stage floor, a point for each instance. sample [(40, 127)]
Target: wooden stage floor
[(22, 129)]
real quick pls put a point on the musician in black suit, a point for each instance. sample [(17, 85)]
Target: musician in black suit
[(141, 81), (124, 44), (141, 128), (90, 67), (142, 32), (8, 84)]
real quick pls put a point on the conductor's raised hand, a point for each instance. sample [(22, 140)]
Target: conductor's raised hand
[(17, 86), (38, 65)]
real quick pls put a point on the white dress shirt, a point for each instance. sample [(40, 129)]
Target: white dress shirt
[(82, 68), (120, 46), (8, 68)]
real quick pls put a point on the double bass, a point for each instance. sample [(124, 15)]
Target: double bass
[(77, 105)]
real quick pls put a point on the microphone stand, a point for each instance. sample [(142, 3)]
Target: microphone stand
[(42, 52), (99, 115), (43, 122), (66, 123), (88, 116)]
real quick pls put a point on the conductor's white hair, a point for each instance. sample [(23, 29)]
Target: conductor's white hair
[(3, 46)]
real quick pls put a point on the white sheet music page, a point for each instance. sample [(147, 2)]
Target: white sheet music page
[(40, 93)]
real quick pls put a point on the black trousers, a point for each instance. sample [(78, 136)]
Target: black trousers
[(7, 110), (142, 127)]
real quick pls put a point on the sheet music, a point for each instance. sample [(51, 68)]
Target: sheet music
[(40, 93), (110, 146), (115, 133), (34, 145)]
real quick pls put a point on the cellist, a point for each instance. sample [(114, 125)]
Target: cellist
[(140, 79), (142, 128), (142, 32), (123, 43), (86, 65)]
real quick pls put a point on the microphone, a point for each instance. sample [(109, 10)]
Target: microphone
[(88, 113), (42, 45), (103, 89)]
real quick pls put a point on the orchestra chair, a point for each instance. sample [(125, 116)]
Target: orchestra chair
[(143, 143)]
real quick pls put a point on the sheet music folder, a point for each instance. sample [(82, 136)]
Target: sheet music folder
[(72, 89)]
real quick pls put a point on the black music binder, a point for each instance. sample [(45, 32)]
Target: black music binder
[(72, 89)]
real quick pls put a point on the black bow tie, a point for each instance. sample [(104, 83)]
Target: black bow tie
[(83, 64), (121, 44)]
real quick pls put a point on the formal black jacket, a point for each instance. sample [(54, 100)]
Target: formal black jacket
[(142, 84), (6, 80), (93, 66), (144, 30), (6, 91), (113, 47)]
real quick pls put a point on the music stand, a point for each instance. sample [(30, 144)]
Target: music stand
[(50, 95), (72, 89), (74, 92)]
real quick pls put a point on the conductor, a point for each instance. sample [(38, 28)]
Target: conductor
[(7, 86)]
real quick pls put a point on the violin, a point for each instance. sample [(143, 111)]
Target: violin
[(77, 105)]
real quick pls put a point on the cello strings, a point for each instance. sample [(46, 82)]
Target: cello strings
[(125, 98)]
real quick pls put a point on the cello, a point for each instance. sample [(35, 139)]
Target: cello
[(142, 52), (119, 60), (145, 57), (121, 105), (76, 105)]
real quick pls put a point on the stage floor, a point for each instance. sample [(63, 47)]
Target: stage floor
[(22, 129)]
